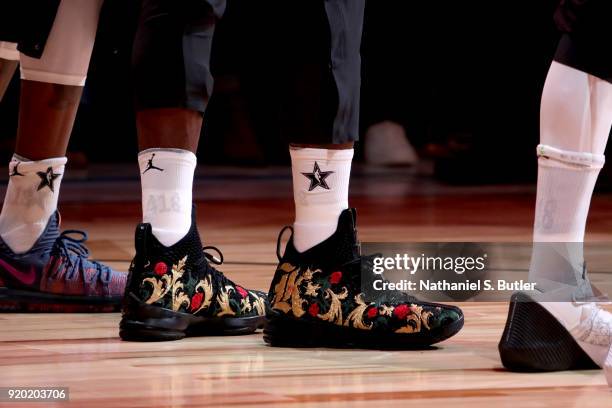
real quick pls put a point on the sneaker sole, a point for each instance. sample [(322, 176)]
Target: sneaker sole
[(287, 332), (142, 322), (23, 301), (534, 341)]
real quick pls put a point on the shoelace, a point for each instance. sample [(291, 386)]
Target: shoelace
[(73, 252), (219, 279)]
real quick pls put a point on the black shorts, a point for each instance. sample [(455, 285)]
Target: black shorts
[(319, 70), (586, 43), (28, 23)]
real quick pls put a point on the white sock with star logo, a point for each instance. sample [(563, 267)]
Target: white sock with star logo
[(320, 190), (30, 200)]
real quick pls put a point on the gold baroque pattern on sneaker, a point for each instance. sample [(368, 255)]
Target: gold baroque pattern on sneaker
[(297, 288), (169, 283), (171, 289)]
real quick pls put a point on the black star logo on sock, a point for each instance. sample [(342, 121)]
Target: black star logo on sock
[(47, 179), (15, 171), (317, 178), (151, 166)]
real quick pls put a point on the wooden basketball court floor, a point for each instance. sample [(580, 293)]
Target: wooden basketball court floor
[(242, 216)]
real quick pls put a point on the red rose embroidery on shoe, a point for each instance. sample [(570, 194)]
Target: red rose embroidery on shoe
[(335, 277), (401, 311), (242, 292), (372, 312), (160, 268), (196, 301), (313, 310)]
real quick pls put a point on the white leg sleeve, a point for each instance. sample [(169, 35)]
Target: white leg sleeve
[(576, 111), (8, 51), (576, 116), (68, 50)]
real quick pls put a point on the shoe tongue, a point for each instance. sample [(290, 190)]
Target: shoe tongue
[(50, 234), (142, 237), (53, 226), (347, 246)]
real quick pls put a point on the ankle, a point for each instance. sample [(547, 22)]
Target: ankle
[(320, 183), (167, 182)]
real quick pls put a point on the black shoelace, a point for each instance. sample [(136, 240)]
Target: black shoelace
[(218, 279)]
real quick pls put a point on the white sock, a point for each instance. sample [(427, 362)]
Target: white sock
[(562, 205), (575, 120), (320, 190), (563, 200), (167, 183), (31, 199)]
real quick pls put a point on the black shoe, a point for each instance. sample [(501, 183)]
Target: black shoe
[(316, 301), (174, 292), (535, 340)]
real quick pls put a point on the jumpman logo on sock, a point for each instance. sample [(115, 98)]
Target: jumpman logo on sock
[(151, 166), (15, 171)]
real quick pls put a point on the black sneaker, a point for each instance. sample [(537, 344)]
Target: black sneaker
[(555, 336), (316, 301), (174, 292)]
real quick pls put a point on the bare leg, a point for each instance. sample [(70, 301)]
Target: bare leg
[(7, 70), (46, 116), (175, 128)]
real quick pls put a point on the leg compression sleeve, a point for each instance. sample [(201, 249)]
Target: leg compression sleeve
[(576, 117), (576, 112), (68, 50)]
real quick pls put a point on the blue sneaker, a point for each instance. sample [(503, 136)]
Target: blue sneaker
[(55, 275)]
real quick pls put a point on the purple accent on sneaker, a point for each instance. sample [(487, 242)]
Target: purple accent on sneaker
[(60, 265)]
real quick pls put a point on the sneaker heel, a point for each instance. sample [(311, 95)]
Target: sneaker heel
[(286, 332), (142, 322), (533, 340)]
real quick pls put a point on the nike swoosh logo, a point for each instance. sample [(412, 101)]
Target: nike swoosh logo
[(25, 278)]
